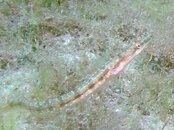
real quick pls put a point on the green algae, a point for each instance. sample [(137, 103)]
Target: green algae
[(9, 120), (47, 80)]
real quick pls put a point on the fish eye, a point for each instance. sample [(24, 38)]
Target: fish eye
[(138, 45)]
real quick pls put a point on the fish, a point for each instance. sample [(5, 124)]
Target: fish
[(112, 68)]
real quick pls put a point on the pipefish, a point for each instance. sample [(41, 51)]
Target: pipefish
[(115, 66)]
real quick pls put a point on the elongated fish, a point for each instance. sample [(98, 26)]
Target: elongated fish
[(115, 66)]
